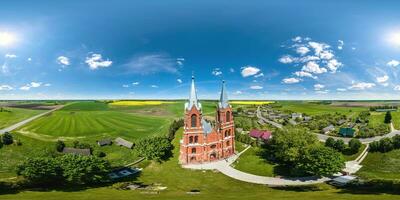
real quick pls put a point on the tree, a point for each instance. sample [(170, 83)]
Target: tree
[(321, 161), (388, 117), (396, 141), (374, 146), (7, 138), (288, 146), (385, 145), (60, 145), (354, 145), (340, 145), (154, 148), (40, 170), (330, 142)]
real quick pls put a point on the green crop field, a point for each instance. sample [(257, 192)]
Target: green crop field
[(381, 165), (16, 115), (212, 185), (312, 108)]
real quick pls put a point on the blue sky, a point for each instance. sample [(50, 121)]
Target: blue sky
[(150, 49)]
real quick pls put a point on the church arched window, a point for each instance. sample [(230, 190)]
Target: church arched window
[(193, 150), (228, 116), (196, 139), (191, 139), (193, 119)]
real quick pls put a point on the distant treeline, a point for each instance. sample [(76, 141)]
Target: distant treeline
[(375, 108)]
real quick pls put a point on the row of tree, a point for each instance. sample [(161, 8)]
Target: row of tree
[(339, 145), (303, 154), (66, 169), (385, 144)]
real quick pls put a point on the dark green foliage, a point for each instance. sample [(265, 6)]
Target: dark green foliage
[(320, 160), (7, 138), (363, 117), (246, 139), (367, 131), (176, 124), (396, 141), (388, 117), (374, 146), (100, 154), (154, 148), (69, 169), (385, 145), (354, 145), (385, 107), (330, 142), (340, 145), (1, 144), (60, 145)]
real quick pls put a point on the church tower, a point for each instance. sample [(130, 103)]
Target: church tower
[(225, 123)]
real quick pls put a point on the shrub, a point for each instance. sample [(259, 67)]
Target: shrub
[(354, 145), (388, 117), (100, 154), (7, 138), (396, 141), (374, 146), (385, 145), (60, 145), (330, 142), (340, 145)]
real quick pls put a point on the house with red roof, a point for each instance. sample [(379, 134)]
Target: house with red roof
[(261, 134)]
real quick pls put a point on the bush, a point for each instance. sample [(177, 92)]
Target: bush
[(354, 145), (388, 117), (100, 154), (154, 148), (396, 141), (40, 170), (385, 145), (7, 138), (340, 145), (174, 127), (330, 142), (60, 145), (374, 146)]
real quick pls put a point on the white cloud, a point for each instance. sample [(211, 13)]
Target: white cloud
[(361, 86), (393, 63), (307, 58), (63, 60), (125, 86), (47, 85), (238, 92), (318, 86), (216, 72), (96, 60), (341, 89), (259, 75), (180, 61), (231, 70), (30, 85), (318, 47), (397, 88), (135, 83), (29, 59), (296, 39), (322, 91), (382, 79), (6, 87), (327, 55), (10, 56), (153, 63), (256, 87), (286, 59), (249, 71), (313, 67), (304, 74), (333, 65), (340, 45), (302, 50), (291, 80), (154, 86), (179, 80)]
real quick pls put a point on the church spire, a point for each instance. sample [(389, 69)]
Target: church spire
[(223, 100), (193, 97)]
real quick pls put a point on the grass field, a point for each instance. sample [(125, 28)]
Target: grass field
[(16, 115), (212, 185), (312, 108), (251, 162), (381, 165)]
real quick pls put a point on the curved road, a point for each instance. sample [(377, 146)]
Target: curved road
[(21, 123)]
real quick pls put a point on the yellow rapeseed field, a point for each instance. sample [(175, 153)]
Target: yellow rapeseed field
[(251, 102), (139, 103)]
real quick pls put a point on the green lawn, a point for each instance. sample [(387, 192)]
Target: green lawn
[(396, 119), (251, 162), (381, 165), (312, 108), (16, 115), (212, 185)]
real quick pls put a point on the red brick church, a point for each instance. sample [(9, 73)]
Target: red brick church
[(201, 141)]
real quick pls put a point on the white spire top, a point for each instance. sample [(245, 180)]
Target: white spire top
[(223, 100), (193, 97)]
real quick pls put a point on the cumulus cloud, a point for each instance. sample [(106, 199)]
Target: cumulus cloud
[(10, 56), (249, 71), (152, 63), (322, 91), (302, 50), (154, 86), (216, 72), (63, 60), (180, 61), (291, 80), (286, 59), (318, 86), (296, 39), (125, 85), (179, 80), (256, 87), (340, 45), (135, 83), (314, 68), (382, 79), (397, 88), (30, 85), (361, 86), (393, 63), (304, 74), (96, 61), (5, 88), (333, 65), (259, 75)]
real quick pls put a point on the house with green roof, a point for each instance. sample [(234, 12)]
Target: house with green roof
[(347, 132)]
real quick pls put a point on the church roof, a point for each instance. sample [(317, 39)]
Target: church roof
[(192, 97), (206, 126), (223, 100)]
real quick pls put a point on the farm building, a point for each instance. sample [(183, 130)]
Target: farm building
[(121, 142), (104, 142), (328, 129), (260, 134), (82, 152), (347, 132), (297, 115)]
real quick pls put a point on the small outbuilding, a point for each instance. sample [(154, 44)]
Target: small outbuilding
[(328, 129), (82, 152), (342, 180), (104, 142), (122, 142)]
